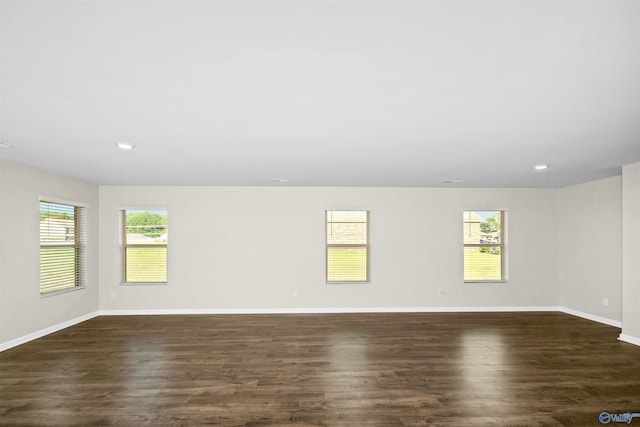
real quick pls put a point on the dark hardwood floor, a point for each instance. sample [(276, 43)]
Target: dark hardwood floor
[(453, 369)]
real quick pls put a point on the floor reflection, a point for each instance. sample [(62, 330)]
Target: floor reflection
[(347, 375), (484, 362)]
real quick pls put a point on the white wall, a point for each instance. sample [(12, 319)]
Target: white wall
[(263, 248), (631, 253), (590, 247), (22, 310)]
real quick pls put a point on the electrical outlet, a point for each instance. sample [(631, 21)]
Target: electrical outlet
[(605, 301)]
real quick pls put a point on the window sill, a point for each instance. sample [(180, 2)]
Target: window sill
[(61, 291), (486, 281), (144, 283), (347, 283)]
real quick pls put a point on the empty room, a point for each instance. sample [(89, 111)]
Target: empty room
[(319, 212)]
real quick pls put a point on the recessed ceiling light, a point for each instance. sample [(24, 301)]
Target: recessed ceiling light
[(452, 181), (279, 180), (125, 145), (6, 146), (540, 167)]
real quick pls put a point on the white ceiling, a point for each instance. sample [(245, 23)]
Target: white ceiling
[(336, 93)]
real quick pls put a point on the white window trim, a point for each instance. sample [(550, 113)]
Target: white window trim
[(121, 226), (505, 245), (63, 201), (368, 245)]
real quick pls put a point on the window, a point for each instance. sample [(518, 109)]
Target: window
[(62, 246), (347, 246), (484, 248), (144, 254)]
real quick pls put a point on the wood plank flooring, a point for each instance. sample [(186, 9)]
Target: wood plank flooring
[(451, 369)]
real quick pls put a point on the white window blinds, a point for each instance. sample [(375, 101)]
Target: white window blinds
[(62, 246), (347, 250)]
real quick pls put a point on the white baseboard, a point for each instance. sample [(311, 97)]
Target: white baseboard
[(324, 310), (592, 317), (46, 331), (630, 339)]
